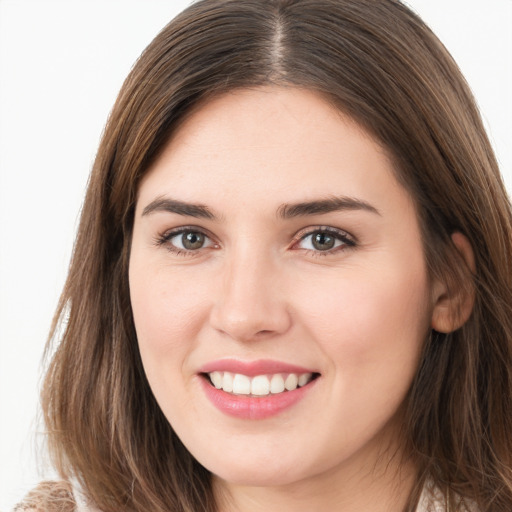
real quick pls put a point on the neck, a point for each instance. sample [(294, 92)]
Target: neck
[(382, 486)]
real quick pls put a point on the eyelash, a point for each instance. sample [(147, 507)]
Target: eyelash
[(165, 240), (347, 240)]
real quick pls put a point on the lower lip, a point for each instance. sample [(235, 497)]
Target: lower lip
[(254, 408)]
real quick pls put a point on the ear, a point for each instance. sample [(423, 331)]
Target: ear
[(452, 307)]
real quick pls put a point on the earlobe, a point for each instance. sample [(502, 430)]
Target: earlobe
[(453, 304)]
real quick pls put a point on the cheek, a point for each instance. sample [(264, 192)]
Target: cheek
[(371, 330), (370, 323), (165, 307), (168, 313)]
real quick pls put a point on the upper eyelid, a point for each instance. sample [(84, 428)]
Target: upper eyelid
[(304, 232), (169, 233)]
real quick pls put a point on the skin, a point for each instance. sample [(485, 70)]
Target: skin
[(258, 289)]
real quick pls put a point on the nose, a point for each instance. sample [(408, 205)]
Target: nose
[(251, 302)]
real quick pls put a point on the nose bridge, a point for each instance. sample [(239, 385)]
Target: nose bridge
[(250, 302)]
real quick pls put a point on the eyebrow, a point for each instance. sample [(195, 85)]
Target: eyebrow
[(285, 211), (181, 208), (318, 207)]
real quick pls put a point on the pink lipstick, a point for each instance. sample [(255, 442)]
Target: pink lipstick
[(255, 389)]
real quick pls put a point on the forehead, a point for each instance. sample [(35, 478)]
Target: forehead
[(270, 145)]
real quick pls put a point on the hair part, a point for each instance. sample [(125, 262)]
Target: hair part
[(378, 63)]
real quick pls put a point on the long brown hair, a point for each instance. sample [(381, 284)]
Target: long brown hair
[(377, 62)]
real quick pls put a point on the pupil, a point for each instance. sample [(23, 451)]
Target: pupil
[(192, 240), (323, 241)]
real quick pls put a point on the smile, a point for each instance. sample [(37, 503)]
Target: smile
[(256, 390), (259, 385)]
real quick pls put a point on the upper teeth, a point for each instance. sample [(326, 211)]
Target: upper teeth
[(261, 385)]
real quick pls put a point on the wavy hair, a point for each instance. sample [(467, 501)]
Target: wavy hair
[(376, 61)]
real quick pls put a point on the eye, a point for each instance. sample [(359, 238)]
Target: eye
[(185, 240), (326, 240), (189, 240)]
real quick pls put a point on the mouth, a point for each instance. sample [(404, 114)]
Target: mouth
[(254, 390), (258, 386)]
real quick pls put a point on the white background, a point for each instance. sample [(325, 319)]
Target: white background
[(61, 65)]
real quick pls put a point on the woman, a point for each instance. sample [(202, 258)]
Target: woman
[(291, 284)]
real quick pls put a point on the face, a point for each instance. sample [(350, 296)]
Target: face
[(279, 288)]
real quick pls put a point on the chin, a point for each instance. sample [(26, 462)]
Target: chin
[(258, 478), (257, 473)]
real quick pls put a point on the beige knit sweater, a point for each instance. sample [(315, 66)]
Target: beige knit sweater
[(71, 500)]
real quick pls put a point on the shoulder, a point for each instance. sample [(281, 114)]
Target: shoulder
[(81, 503), (432, 499), (49, 496), (54, 496)]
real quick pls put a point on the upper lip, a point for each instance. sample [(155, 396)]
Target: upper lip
[(253, 368)]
